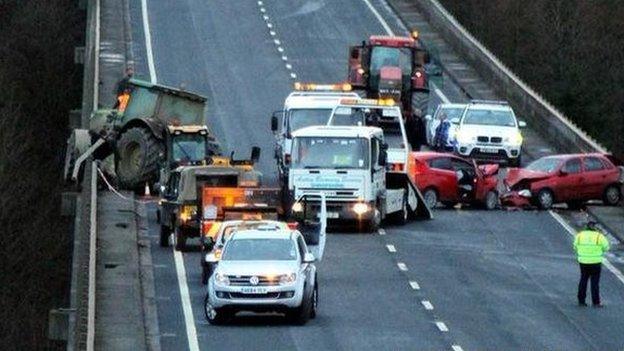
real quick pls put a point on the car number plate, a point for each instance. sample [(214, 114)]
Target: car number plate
[(329, 215), (254, 290), (489, 150)]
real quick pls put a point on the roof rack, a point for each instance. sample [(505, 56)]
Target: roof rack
[(491, 102)]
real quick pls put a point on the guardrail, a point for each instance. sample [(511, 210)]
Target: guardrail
[(548, 121)]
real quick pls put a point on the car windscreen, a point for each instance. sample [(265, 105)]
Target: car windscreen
[(260, 250), (330, 152), (489, 118), (545, 164), (228, 230), (450, 112), (300, 118)]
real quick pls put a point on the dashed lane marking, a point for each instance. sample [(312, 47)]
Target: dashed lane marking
[(414, 285), (442, 326), (605, 262), (427, 304), (391, 248), (457, 348), (402, 266)]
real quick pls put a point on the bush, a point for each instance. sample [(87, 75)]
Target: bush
[(40, 84)]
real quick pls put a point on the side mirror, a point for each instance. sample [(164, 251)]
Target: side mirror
[(274, 123), (383, 157), (255, 154), (455, 120), (522, 124), (428, 118), (308, 258)]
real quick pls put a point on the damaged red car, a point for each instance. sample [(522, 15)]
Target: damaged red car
[(449, 179), (571, 179)]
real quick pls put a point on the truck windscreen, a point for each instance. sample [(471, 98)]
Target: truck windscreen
[(330, 152), (189, 147), (300, 118)]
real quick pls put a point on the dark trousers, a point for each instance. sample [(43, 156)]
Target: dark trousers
[(589, 271)]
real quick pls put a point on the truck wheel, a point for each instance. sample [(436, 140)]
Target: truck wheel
[(180, 239), (491, 200), (374, 223), (136, 158), (215, 316), (612, 195), (164, 236)]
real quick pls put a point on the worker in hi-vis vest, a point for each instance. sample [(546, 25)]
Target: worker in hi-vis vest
[(590, 246)]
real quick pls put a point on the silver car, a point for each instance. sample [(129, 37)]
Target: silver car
[(263, 270)]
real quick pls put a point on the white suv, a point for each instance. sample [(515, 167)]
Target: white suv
[(489, 130), (263, 271)]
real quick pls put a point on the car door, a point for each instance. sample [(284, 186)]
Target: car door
[(442, 177), (460, 165), (570, 182), (595, 176), (481, 185)]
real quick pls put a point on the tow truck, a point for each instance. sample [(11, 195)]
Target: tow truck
[(347, 165), (309, 104)]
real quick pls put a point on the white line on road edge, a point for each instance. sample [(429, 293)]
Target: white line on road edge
[(148, 42), (414, 285), (427, 304), (191, 332), (383, 22), (618, 274), (441, 326), (402, 266), (457, 348), (440, 94), (391, 248), (96, 58)]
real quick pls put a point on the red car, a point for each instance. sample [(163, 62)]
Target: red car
[(571, 179), (450, 179)]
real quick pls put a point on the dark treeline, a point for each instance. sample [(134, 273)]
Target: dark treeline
[(570, 51), (39, 84)]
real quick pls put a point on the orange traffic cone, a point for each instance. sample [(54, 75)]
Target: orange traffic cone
[(147, 190)]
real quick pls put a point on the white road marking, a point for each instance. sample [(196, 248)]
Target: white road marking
[(288, 66), (269, 25), (381, 231), (280, 49), (265, 17), (605, 262), (383, 22), (262, 9), (191, 332), (391, 248), (457, 348), (402, 266), (272, 33), (414, 285), (427, 304), (259, 3), (148, 43), (277, 42), (284, 58), (442, 326), (293, 76), (440, 94)]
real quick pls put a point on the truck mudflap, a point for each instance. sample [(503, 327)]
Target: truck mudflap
[(315, 232), (415, 200)]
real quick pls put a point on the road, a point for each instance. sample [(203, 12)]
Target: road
[(467, 280)]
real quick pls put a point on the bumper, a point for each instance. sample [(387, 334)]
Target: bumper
[(489, 152), (276, 298), (336, 211), (514, 199)]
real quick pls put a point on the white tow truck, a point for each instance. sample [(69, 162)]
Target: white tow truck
[(348, 164), (310, 104)]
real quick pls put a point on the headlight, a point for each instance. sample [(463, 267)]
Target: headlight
[(515, 139), (525, 193), (360, 208), (464, 137), (287, 278), (297, 207), (222, 279)]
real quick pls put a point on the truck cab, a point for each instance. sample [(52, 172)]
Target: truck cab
[(383, 114), (310, 104)]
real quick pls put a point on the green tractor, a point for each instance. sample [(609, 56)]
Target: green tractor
[(156, 129)]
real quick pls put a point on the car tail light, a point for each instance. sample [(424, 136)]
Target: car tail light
[(292, 225)]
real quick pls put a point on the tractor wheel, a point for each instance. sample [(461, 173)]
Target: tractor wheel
[(136, 159)]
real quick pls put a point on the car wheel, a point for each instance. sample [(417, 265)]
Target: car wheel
[(314, 302), (300, 315), (491, 200), (180, 239), (545, 199), (431, 197), (612, 195), (215, 316), (164, 236)]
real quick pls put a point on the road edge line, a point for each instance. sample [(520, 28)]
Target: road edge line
[(189, 320)]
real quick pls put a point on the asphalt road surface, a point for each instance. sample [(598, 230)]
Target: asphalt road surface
[(467, 280)]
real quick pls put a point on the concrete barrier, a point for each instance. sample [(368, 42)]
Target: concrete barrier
[(528, 104)]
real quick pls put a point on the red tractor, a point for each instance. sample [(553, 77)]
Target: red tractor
[(389, 67)]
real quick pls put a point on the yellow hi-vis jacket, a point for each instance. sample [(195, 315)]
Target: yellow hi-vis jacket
[(589, 246)]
